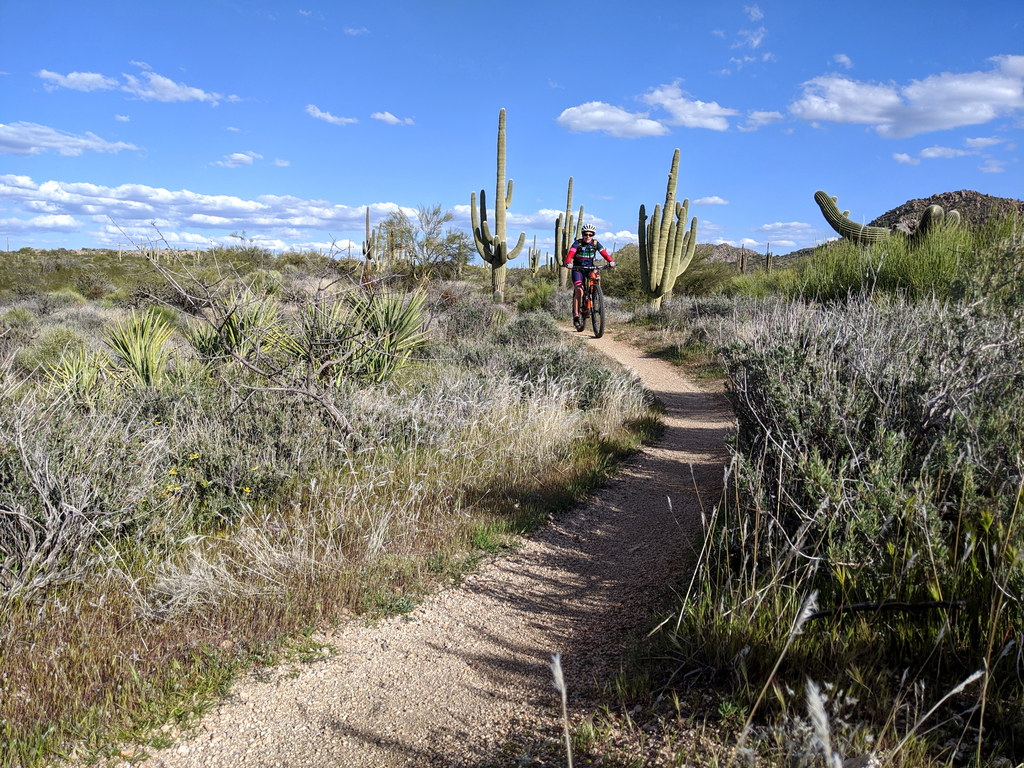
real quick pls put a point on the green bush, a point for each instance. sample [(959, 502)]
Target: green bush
[(46, 351)]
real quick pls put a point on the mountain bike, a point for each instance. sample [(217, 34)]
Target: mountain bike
[(592, 303)]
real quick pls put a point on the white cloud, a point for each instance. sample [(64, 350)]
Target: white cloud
[(784, 228), (753, 12), (760, 118), (938, 102), (387, 117), (282, 163), (184, 217), (314, 111), (905, 159), (992, 166), (843, 60), (752, 38), (154, 87), (615, 121), (34, 139), (712, 200), (238, 159), (687, 112), (930, 153), (983, 143), (149, 87), (48, 223), (77, 81), (122, 118), (355, 31)]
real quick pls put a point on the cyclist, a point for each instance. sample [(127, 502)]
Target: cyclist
[(580, 257)]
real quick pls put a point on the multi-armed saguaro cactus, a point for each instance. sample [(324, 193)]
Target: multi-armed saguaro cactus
[(931, 218), (494, 248), (666, 247), (567, 230)]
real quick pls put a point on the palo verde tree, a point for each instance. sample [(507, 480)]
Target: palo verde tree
[(428, 249), (493, 248), (665, 246)]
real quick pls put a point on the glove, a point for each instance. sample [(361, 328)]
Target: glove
[(611, 264)]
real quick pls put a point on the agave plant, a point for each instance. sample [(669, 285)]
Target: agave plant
[(140, 347)]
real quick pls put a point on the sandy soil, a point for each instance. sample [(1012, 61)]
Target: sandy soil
[(446, 684)]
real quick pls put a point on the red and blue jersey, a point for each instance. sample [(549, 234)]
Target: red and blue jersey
[(583, 254)]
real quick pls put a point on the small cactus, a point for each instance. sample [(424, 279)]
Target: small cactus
[(494, 248)]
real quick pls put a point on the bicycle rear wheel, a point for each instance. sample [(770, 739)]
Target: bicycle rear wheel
[(597, 312)]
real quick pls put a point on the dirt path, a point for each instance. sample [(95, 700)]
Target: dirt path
[(443, 684)]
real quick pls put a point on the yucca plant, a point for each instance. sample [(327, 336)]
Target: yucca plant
[(140, 346), (239, 327), (79, 373), (391, 329)]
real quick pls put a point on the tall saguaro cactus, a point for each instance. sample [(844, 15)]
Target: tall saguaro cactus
[(567, 230), (666, 247), (370, 243), (494, 248)]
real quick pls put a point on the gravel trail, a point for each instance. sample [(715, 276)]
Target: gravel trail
[(444, 684)]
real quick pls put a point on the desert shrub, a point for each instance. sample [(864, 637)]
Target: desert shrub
[(473, 318), (17, 328), (877, 463), (44, 352), (59, 299), (537, 295)]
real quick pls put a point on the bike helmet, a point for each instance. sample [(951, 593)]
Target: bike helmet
[(588, 228)]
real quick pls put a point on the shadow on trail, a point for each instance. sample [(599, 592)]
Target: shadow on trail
[(604, 570)]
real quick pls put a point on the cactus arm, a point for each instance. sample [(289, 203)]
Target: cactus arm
[(690, 246), (519, 246), (842, 224), (641, 235)]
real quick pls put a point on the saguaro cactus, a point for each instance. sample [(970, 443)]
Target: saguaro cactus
[(666, 247), (841, 223), (567, 230), (534, 253), (494, 248), (370, 243), (932, 218)]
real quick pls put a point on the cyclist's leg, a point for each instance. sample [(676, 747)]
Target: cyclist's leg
[(577, 290)]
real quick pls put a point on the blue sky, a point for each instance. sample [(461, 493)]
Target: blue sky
[(126, 120)]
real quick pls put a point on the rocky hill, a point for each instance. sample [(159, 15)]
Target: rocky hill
[(975, 209)]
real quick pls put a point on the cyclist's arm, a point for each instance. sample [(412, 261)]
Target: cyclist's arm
[(607, 257), (569, 255)]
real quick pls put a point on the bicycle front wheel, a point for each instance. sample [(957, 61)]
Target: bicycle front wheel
[(597, 312)]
